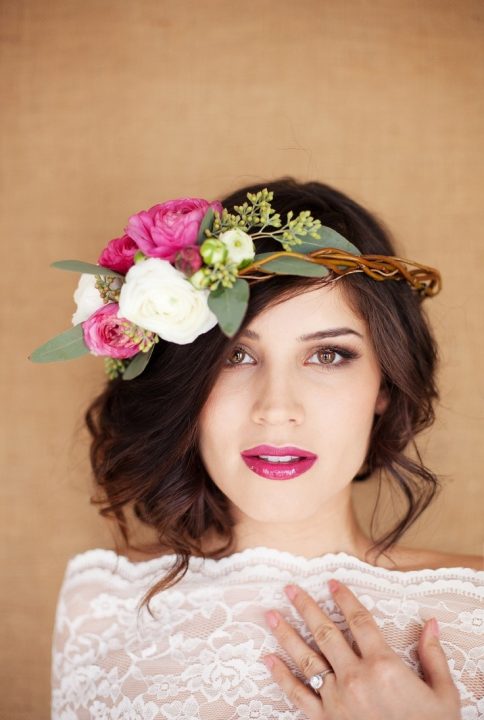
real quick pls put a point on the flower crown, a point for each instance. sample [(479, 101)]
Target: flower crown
[(183, 266)]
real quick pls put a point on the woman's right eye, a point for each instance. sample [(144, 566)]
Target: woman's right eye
[(237, 351)]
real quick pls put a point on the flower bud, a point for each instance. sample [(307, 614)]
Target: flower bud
[(139, 256), (200, 280), (188, 260), (213, 251)]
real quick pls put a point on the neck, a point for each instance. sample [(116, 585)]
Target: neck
[(325, 532)]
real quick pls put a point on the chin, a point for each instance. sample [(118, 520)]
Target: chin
[(277, 513)]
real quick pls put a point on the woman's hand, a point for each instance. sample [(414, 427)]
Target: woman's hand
[(373, 685)]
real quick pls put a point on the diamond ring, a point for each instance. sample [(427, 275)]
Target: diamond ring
[(316, 681)]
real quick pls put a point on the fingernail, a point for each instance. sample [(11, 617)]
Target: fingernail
[(268, 662), (291, 591), (434, 627), (333, 585), (272, 619)]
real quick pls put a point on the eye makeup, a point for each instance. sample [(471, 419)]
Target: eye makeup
[(347, 355)]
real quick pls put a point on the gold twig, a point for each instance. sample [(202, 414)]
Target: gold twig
[(422, 278)]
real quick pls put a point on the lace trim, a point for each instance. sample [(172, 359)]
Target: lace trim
[(263, 563)]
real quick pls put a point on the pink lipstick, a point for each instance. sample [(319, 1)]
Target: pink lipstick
[(293, 461)]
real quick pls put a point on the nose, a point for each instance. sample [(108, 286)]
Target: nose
[(277, 400)]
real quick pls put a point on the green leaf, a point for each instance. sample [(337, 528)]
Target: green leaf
[(206, 223), (83, 267), (230, 306), (291, 266), (137, 364), (328, 238), (244, 263), (66, 346), (219, 290)]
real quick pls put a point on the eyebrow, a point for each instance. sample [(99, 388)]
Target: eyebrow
[(320, 335)]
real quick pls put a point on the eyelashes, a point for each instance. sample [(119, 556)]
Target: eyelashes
[(346, 356)]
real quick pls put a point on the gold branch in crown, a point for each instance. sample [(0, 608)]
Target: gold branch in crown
[(422, 278)]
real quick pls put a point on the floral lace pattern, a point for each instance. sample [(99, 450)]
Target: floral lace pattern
[(199, 657)]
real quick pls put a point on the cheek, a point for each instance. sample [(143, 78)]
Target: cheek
[(344, 419), (219, 425), (359, 404)]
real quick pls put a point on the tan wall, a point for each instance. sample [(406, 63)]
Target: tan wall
[(112, 105)]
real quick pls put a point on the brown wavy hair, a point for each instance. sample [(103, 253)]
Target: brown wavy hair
[(144, 432)]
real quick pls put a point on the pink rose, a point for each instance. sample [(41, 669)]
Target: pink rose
[(103, 333), (118, 254), (188, 260), (166, 228)]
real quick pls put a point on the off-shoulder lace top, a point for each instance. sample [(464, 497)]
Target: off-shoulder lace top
[(200, 655)]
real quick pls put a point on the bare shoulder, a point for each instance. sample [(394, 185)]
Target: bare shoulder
[(405, 558), (475, 562)]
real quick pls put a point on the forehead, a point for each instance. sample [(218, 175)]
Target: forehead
[(317, 309)]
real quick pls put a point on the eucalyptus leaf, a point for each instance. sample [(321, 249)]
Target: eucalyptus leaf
[(230, 306), (327, 238), (206, 224), (83, 267), (137, 364), (291, 266), (66, 346), (244, 263)]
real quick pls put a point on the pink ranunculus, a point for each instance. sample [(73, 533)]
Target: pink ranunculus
[(166, 228), (188, 260), (103, 334), (119, 254)]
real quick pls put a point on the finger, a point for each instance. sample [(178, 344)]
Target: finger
[(327, 635), (434, 664), (301, 695), (307, 660), (360, 621)]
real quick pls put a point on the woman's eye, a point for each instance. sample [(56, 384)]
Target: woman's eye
[(328, 356), (236, 351)]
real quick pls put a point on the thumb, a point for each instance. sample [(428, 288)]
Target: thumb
[(433, 659)]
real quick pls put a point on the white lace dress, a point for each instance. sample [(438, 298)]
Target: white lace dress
[(200, 657)]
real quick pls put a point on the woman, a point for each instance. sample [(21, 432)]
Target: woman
[(226, 464)]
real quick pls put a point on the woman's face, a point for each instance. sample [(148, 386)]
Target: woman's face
[(318, 394)]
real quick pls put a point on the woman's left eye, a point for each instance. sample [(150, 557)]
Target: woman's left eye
[(236, 350), (326, 356)]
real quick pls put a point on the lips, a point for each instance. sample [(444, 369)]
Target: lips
[(281, 470)]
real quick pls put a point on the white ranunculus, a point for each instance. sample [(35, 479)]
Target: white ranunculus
[(87, 298), (239, 244), (158, 297)]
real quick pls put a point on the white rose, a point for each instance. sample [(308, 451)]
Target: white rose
[(239, 244), (158, 297), (87, 298)]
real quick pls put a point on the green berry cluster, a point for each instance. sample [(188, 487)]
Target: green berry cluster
[(294, 230), (224, 275), (258, 213), (210, 278), (114, 367), (255, 213), (104, 283), (145, 339)]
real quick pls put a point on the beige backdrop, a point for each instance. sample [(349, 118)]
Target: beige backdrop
[(110, 106)]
